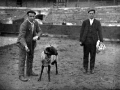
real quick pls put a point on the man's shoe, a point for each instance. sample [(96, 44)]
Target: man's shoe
[(22, 78), (33, 74), (91, 71)]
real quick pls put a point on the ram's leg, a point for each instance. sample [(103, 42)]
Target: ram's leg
[(49, 72), (56, 67)]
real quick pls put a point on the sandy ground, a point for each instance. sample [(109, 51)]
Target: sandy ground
[(70, 77), (7, 40)]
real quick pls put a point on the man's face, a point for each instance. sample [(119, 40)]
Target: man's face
[(91, 14), (31, 17)]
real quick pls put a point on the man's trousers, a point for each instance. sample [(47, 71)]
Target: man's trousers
[(26, 57), (89, 48), (22, 59)]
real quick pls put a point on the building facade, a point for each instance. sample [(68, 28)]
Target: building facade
[(50, 3)]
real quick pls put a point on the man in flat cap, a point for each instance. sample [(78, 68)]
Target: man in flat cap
[(90, 32), (29, 33)]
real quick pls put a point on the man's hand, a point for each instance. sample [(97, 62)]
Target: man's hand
[(35, 38), (27, 49), (81, 44)]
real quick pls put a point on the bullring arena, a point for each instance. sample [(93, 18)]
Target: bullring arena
[(66, 38)]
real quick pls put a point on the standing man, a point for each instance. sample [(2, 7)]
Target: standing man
[(29, 33), (90, 32)]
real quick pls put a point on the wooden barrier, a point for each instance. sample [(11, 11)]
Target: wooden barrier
[(9, 28), (110, 32)]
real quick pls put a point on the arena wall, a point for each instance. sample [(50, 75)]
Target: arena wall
[(109, 32)]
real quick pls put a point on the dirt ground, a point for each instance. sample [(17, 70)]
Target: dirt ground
[(70, 77)]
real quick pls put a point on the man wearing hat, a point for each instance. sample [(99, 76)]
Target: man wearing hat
[(29, 33), (90, 32)]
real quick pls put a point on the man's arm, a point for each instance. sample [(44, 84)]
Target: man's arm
[(22, 32), (100, 32), (81, 31), (38, 31)]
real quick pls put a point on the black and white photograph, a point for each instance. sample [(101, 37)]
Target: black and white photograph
[(59, 44)]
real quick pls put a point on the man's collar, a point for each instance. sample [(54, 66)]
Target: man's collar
[(31, 22)]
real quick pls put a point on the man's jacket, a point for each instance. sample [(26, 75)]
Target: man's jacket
[(96, 31), (26, 34)]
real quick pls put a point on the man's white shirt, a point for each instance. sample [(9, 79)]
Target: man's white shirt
[(32, 24), (91, 21)]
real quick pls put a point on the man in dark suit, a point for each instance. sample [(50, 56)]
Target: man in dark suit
[(29, 33), (90, 32)]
